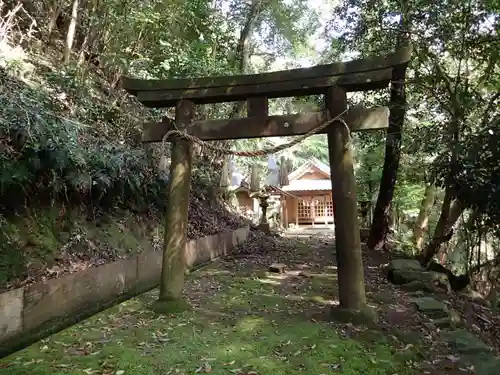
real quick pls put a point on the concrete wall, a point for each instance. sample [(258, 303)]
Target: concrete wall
[(30, 313)]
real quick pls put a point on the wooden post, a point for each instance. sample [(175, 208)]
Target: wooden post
[(176, 216), (285, 211), (296, 212), (347, 238), (313, 212), (258, 107), (325, 205)]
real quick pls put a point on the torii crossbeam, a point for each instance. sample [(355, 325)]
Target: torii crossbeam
[(332, 80)]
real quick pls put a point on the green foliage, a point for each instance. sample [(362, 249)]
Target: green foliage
[(70, 136), (79, 135), (369, 150), (479, 180), (315, 146), (452, 121), (48, 156)]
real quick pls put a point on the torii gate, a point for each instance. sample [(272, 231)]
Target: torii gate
[(332, 80)]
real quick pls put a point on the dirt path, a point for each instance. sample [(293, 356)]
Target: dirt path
[(246, 321)]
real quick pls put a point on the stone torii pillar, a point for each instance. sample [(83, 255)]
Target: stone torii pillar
[(352, 296), (177, 205)]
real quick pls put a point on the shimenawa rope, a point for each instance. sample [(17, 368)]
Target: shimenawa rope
[(265, 151)]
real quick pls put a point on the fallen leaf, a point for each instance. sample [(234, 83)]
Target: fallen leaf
[(205, 368)]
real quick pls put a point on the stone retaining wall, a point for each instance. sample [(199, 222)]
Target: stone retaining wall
[(35, 311)]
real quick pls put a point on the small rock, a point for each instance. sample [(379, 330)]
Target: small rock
[(453, 320), (277, 268), (442, 322), (64, 237), (418, 294), (429, 326)]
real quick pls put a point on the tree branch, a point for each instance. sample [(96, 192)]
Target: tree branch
[(489, 108)]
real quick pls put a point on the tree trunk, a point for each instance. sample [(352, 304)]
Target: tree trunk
[(472, 241), (90, 33), (450, 212), (242, 55), (379, 229), (381, 216), (83, 50), (70, 36), (56, 10), (422, 223), (347, 237)]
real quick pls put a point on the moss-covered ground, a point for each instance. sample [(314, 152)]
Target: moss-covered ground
[(244, 321)]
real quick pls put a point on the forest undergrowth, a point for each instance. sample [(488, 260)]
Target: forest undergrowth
[(77, 187)]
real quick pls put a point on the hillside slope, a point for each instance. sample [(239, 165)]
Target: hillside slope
[(77, 188)]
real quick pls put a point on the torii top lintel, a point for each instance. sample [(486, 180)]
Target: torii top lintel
[(356, 75)]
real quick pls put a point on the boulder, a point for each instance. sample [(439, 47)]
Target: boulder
[(432, 307), (400, 264), (486, 364), (409, 271), (430, 280), (465, 342), (473, 295), (457, 283), (415, 286), (473, 351)]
